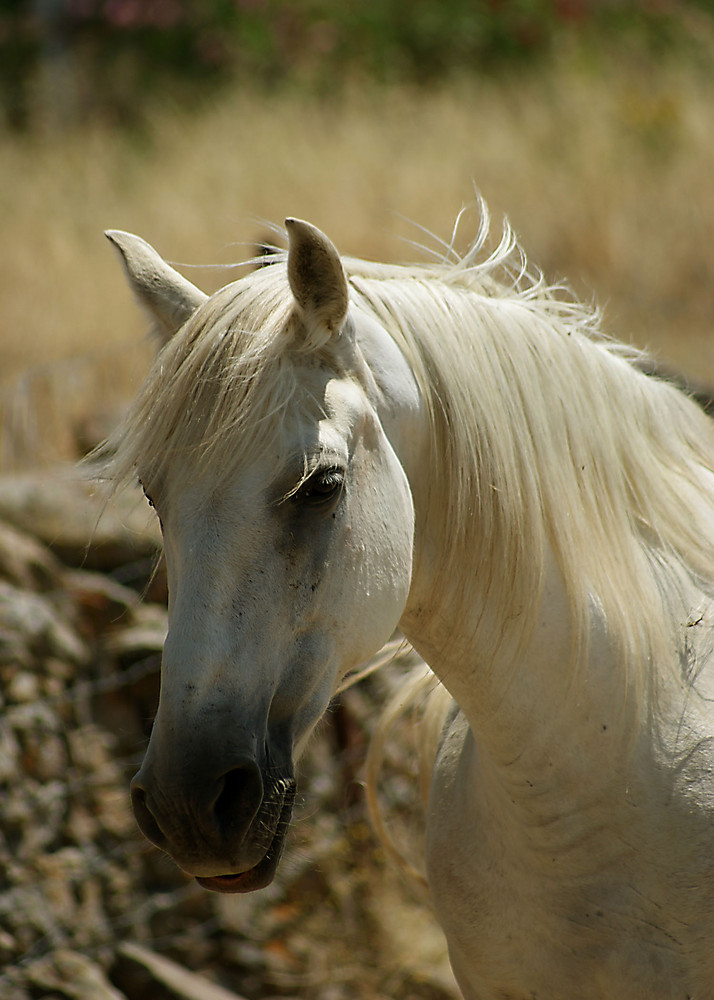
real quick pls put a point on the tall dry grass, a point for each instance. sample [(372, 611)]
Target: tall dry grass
[(606, 174)]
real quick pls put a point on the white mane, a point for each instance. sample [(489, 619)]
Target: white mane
[(543, 431)]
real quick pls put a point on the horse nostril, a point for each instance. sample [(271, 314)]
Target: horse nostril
[(144, 816), (239, 797)]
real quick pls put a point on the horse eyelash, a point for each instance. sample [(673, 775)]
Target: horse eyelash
[(305, 491)]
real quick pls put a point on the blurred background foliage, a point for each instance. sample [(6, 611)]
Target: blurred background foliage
[(62, 61)]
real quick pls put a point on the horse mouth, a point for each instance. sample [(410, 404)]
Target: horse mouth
[(262, 874)]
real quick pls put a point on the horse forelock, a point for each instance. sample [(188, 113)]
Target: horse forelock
[(219, 390)]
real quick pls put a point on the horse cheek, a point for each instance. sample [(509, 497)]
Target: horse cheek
[(384, 555)]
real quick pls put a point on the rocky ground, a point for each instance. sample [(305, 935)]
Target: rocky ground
[(88, 910)]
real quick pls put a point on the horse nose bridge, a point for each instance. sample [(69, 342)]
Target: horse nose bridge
[(203, 735), (212, 717), (219, 584), (208, 703), (217, 648)]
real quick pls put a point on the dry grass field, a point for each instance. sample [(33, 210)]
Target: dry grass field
[(604, 171)]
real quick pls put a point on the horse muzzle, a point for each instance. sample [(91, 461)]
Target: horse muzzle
[(228, 832), (263, 872)]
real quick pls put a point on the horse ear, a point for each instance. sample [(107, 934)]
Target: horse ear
[(317, 278), (168, 297)]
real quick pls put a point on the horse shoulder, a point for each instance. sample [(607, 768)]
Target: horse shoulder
[(521, 922), (475, 885)]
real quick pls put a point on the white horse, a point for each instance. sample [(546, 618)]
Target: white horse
[(336, 448)]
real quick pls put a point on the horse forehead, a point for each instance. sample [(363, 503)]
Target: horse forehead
[(346, 403), (309, 431), (331, 408)]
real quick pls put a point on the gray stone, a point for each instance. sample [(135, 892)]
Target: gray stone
[(31, 626), (79, 519), (163, 979)]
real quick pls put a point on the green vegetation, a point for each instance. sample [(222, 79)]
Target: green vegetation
[(87, 57)]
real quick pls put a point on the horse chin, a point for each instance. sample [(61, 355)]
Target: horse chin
[(257, 877)]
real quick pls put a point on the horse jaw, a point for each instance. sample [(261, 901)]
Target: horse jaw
[(168, 297)]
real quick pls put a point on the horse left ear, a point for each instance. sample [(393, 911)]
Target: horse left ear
[(317, 278), (168, 297)]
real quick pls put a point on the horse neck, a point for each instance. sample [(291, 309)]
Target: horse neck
[(520, 687), (511, 698), (546, 749), (503, 700), (541, 708)]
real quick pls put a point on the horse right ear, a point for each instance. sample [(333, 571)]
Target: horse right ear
[(169, 298), (317, 278)]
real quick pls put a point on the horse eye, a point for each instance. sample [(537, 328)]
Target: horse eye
[(322, 487)]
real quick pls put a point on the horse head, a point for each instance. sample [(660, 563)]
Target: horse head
[(287, 521)]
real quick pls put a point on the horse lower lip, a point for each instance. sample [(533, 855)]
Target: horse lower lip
[(255, 878), (227, 883)]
